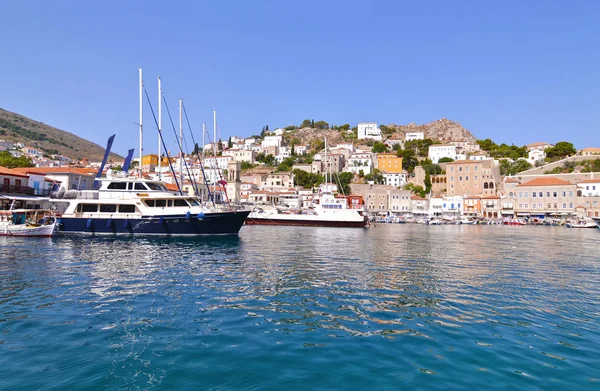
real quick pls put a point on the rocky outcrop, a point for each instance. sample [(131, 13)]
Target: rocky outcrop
[(443, 130)]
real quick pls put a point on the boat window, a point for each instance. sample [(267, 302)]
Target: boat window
[(155, 186), (169, 203), (193, 202), (127, 208), (117, 186), (140, 186), (149, 203), (130, 186), (160, 203), (89, 208), (180, 203), (108, 208)]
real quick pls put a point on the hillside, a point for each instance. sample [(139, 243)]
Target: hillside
[(443, 130), (17, 128)]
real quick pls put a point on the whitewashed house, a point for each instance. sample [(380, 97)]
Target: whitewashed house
[(408, 136), (369, 130), (360, 161)]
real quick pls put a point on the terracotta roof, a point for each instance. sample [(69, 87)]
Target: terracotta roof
[(510, 180), (417, 198), (472, 197), (11, 171), (491, 197), (591, 181), (57, 170), (545, 182), (465, 162), (591, 149)]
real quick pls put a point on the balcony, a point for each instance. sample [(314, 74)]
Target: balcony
[(24, 190)]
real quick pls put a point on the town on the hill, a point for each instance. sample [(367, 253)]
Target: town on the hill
[(438, 170)]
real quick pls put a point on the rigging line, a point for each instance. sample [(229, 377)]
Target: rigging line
[(197, 154), (162, 140), (178, 143), (217, 168)]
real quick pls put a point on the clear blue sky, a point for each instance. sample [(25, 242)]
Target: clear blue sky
[(513, 71)]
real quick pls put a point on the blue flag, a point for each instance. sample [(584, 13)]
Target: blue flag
[(106, 153), (127, 162)]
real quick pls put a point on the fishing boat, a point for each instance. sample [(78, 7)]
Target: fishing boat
[(582, 223), (326, 210), (514, 222), (27, 222), (135, 206)]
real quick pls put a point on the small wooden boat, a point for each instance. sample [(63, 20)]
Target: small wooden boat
[(27, 222), (584, 223), (514, 222)]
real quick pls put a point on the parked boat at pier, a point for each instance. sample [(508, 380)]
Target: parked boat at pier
[(583, 223), (27, 222), (135, 206), (326, 211)]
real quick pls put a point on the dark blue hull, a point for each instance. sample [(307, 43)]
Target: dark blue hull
[(225, 223)]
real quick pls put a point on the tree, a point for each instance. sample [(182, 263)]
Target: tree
[(487, 145), (432, 169), (512, 168), (306, 123), (196, 149), (446, 160), (286, 164), (317, 145), (9, 161), (307, 180), (320, 125), (291, 127), (561, 150), (379, 147), (386, 130), (293, 151), (409, 159), (229, 143), (427, 183), (415, 189), (376, 176), (397, 147), (246, 165), (343, 181), (361, 173)]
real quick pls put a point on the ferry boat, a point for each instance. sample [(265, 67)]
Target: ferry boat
[(327, 211), (135, 206)]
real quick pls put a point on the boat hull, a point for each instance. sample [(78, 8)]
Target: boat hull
[(223, 223), (25, 231), (305, 222)]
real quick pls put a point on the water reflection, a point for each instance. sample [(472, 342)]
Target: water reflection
[(437, 301)]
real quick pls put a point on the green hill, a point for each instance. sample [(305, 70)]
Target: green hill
[(20, 129)]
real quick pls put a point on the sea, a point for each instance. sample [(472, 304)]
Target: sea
[(396, 306)]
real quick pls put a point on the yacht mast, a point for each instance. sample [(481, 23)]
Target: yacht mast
[(159, 125), (181, 141), (215, 133), (141, 125)]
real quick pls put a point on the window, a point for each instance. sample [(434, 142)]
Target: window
[(459, 168), (565, 206), (547, 194), (180, 203), (533, 194), (460, 178), (526, 206), (555, 194), (89, 208), (139, 186), (155, 186), (466, 178), (570, 194), (541, 194), (520, 205), (564, 193), (149, 203), (160, 203), (108, 208), (127, 208), (117, 186)]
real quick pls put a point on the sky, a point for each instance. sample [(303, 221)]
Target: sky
[(513, 71)]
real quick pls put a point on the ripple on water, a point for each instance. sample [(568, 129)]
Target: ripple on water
[(399, 305)]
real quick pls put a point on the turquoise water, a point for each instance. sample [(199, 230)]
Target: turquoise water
[(392, 307)]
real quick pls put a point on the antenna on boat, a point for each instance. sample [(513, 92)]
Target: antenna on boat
[(141, 120), (215, 133), (159, 125)]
